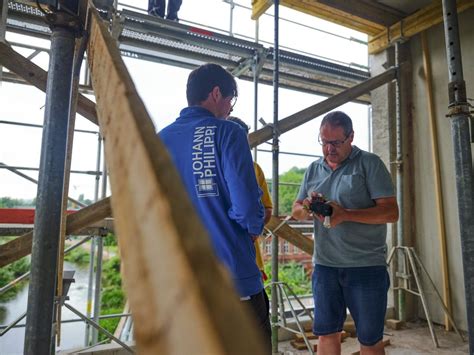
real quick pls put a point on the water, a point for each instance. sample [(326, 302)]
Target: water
[(72, 334)]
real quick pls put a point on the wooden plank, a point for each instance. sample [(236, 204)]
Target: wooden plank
[(36, 76), (173, 280), (309, 113), (309, 335), (302, 346), (439, 198), (291, 235), (394, 324), (259, 7), (326, 12), (370, 10), (21, 246), (413, 24)]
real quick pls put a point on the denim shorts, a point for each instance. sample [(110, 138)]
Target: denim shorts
[(363, 290)]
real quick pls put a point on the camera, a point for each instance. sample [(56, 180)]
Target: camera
[(320, 206)]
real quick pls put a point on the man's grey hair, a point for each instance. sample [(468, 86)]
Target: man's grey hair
[(338, 119)]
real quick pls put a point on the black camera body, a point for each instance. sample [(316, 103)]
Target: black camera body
[(320, 206)]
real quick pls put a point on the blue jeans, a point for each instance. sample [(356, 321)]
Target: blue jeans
[(363, 290), (157, 8)]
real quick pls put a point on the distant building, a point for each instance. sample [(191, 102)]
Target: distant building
[(288, 252)]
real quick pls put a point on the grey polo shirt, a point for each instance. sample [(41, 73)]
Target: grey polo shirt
[(355, 184)]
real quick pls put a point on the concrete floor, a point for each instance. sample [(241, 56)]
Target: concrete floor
[(413, 339)]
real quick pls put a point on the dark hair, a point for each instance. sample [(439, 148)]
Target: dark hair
[(240, 123), (338, 119), (203, 79)]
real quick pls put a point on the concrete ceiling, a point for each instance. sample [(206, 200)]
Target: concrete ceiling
[(406, 6)]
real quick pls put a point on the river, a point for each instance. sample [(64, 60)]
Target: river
[(72, 334)]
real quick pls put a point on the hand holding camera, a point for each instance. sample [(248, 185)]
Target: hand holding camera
[(320, 206)]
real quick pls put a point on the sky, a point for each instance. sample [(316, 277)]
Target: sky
[(162, 89)]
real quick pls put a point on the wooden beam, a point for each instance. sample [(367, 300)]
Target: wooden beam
[(173, 279), (323, 11), (36, 76), (367, 9), (291, 235), (413, 24), (320, 108), (259, 7), (21, 246)]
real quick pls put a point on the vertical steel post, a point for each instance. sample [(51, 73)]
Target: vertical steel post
[(399, 163), (92, 252), (3, 19), (255, 70), (460, 132), (231, 19), (3, 25), (98, 275), (98, 272), (275, 179), (44, 256), (90, 286)]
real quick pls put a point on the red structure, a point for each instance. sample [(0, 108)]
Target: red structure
[(288, 252)]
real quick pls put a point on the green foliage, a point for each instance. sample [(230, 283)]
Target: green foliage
[(7, 202), (113, 297), (110, 240), (11, 272), (111, 273), (110, 324), (293, 274), (287, 194), (78, 256)]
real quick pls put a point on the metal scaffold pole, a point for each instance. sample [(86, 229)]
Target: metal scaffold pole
[(399, 164), (460, 132), (41, 295), (275, 179)]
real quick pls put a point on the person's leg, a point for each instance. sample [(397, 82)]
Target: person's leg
[(173, 8), (377, 349), (329, 309), (259, 307), (365, 292), (329, 344), (156, 7)]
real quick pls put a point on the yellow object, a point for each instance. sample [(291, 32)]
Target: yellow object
[(267, 203)]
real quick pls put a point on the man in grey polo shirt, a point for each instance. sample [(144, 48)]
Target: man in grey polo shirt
[(349, 257)]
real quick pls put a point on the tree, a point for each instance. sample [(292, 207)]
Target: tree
[(287, 193), (7, 202)]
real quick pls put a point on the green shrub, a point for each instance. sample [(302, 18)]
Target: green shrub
[(11, 272), (293, 274), (110, 240), (110, 324), (113, 297), (78, 256)]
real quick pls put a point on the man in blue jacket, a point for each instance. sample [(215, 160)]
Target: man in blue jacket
[(213, 159)]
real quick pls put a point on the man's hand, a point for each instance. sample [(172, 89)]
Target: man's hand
[(338, 214), (301, 211)]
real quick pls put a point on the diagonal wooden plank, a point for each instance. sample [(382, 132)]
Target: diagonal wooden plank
[(21, 246), (174, 282), (309, 113), (36, 76), (291, 235)]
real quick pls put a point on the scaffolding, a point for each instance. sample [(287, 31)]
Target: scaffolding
[(136, 216)]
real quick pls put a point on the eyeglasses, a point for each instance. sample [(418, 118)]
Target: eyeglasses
[(335, 144), (233, 101)]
